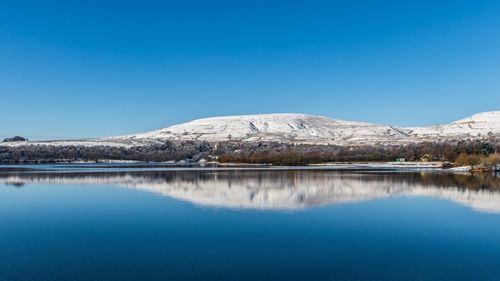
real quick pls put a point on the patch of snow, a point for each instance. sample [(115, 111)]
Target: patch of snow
[(460, 169)]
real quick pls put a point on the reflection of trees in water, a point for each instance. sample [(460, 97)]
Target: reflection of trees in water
[(285, 178), (465, 181), (15, 183), (476, 181)]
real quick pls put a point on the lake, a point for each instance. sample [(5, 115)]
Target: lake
[(126, 222)]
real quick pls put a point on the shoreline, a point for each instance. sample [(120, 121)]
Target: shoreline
[(337, 166)]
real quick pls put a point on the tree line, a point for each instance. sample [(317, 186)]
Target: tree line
[(309, 154), (463, 151)]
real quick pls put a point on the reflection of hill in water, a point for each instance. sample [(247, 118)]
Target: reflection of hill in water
[(287, 189)]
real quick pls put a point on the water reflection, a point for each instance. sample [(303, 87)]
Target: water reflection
[(285, 190)]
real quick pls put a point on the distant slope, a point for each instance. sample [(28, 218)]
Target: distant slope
[(297, 128), (480, 124), (300, 129)]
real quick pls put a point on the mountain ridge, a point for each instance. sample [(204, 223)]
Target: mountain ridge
[(300, 129), (304, 128)]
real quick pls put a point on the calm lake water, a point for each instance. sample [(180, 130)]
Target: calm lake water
[(136, 223)]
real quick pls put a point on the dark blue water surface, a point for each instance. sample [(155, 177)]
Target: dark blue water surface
[(249, 225)]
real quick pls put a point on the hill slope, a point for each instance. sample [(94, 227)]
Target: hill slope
[(480, 124), (309, 129), (298, 128)]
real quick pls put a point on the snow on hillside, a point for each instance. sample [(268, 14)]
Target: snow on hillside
[(84, 142), (297, 128), (480, 124)]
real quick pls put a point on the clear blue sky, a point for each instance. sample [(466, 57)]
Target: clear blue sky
[(98, 68)]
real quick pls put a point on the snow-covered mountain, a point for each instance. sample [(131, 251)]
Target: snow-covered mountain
[(297, 128), (481, 124), (300, 128)]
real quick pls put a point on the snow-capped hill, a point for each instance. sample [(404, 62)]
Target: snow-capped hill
[(296, 128), (481, 124), (481, 121), (299, 128)]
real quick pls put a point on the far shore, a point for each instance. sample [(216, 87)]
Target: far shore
[(360, 166)]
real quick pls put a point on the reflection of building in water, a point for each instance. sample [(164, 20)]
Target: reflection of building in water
[(288, 189)]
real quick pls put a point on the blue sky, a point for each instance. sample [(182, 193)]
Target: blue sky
[(98, 68)]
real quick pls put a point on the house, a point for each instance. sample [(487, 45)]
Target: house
[(400, 159), (426, 158)]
